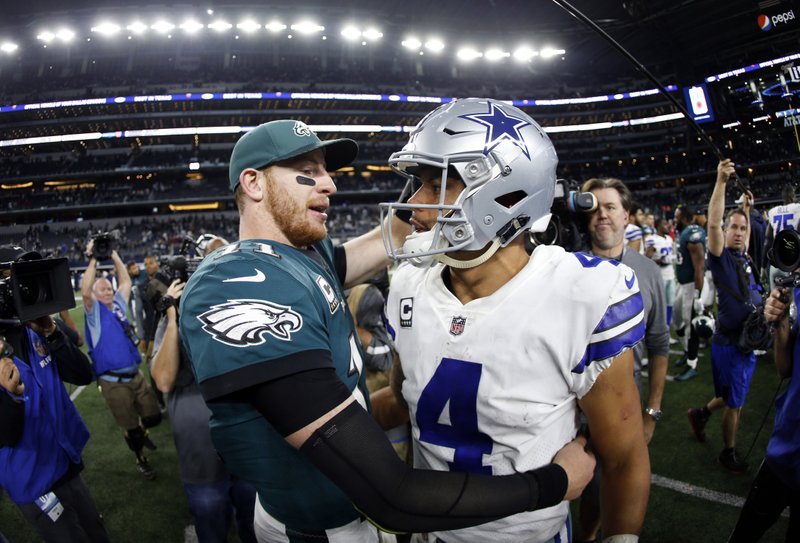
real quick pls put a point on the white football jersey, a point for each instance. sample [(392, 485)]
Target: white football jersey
[(665, 249), (634, 232), (784, 216), (492, 386)]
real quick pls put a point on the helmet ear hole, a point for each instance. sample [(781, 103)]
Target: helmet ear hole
[(511, 199)]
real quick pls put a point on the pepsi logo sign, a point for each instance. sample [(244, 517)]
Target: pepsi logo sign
[(767, 22)]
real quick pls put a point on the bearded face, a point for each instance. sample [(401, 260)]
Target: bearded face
[(291, 215)]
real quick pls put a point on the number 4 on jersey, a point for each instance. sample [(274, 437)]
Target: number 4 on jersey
[(452, 395)]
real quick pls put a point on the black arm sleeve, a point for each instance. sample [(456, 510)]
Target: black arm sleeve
[(73, 366), (340, 262), (12, 420), (354, 453)]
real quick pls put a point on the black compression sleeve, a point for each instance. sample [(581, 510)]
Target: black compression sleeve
[(292, 402), (340, 262), (353, 452)]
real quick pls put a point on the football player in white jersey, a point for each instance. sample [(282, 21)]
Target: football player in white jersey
[(780, 217), (501, 349), (660, 247), (633, 230)]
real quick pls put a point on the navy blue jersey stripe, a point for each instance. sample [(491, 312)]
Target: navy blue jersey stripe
[(620, 312), (611, 347)]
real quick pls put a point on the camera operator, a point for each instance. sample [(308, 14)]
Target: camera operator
[(214, 495), (777, 483), (607, 233), (739, 293), (113, 348), (39, 467)]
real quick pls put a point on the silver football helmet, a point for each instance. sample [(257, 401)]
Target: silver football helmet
[(507, 164)]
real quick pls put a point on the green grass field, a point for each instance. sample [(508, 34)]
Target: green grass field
[(137, 510)]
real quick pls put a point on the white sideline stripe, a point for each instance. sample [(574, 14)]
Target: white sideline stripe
[(76, 392), (702, 493), (697, 491)]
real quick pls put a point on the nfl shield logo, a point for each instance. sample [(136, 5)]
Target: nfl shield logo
[(457, 325)]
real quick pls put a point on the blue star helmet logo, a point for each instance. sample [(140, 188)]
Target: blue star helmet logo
[(500, 127)]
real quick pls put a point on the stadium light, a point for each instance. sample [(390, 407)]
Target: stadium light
[(307, 27), (412, 43), (249, 26), (275, 26), (8, 47), (162, 27), (190, 26), (372, 34), (137, 27), (494, 54), (46, 36), (351, 33), (65, 34), (106, 28), (220, 25), (549, 52), (525, 53), (434, 45), (468, 53)]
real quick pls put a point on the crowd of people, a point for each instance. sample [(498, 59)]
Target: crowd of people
[(508, 423)]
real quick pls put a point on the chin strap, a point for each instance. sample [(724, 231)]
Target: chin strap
[(447, 260)]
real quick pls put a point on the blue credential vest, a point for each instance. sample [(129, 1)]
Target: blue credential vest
[(54, 434), (115, 350)]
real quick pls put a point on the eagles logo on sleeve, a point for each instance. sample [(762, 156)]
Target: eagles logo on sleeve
[(242, 323)]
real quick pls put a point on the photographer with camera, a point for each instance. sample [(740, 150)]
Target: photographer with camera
[(777, 483), (39, 467), (113, 349), (739, 294), (213, 494)]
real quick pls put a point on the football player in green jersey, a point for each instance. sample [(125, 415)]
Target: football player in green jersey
[(275, 354)]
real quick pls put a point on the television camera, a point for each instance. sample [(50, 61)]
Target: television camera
[(104, 244), (567, 223), (180, 266), (785, 255), (32, 286)]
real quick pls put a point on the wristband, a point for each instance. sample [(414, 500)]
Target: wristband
[(165, 302), (696, 293), (553, 483)]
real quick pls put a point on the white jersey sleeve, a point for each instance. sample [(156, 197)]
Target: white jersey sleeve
[(492, 385), (632, 233)]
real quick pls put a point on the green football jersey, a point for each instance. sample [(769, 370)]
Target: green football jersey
[(249, 314), (684, 270)]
